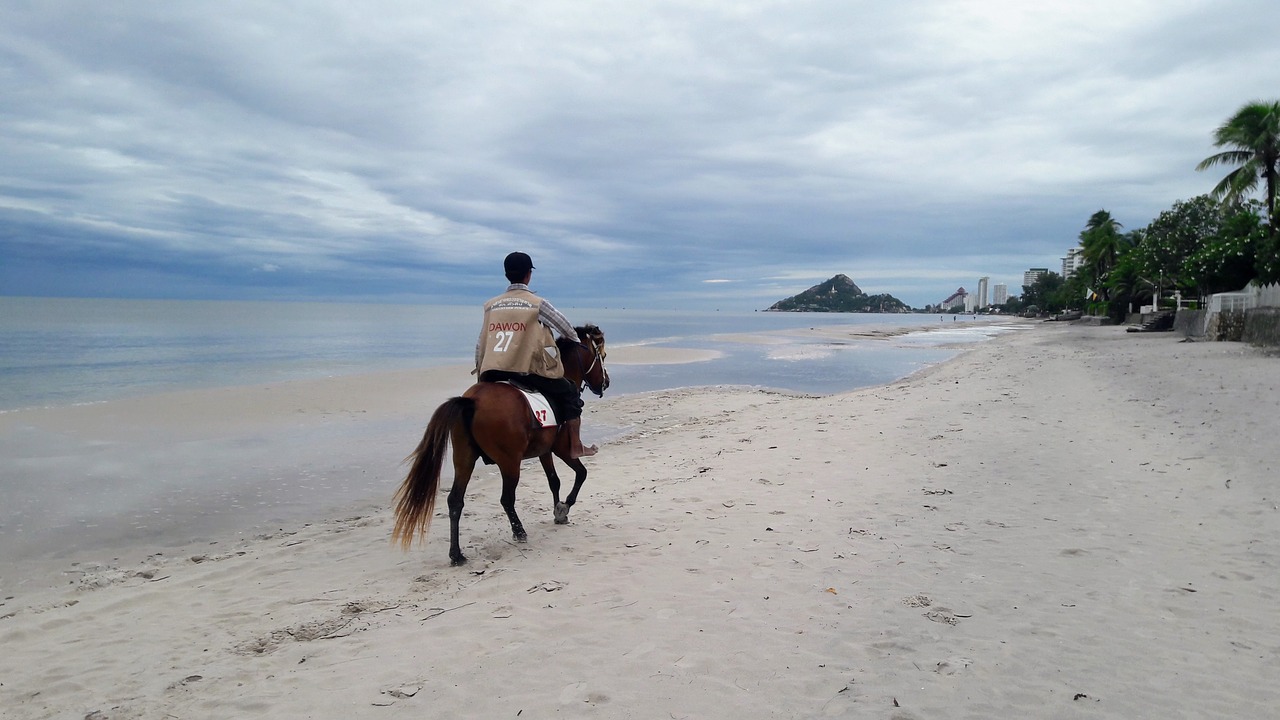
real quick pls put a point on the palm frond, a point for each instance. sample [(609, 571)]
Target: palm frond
[(1230, 157)]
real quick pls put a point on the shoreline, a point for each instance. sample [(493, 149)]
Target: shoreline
[(177, 345), (180, 467), (1058, 521), (108, 484)]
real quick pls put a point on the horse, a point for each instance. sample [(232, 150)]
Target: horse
[(492, 420)]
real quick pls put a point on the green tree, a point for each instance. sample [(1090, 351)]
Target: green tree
[(1100, 244), (1174, 236), (1125, 283), (1230, 259), (1267, 263), (1044, 293), (1012, 306), (1252, 137), (1071, 294)]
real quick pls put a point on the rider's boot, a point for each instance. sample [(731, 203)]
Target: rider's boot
[(576, 449)]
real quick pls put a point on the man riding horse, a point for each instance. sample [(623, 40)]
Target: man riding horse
[(516, 344)]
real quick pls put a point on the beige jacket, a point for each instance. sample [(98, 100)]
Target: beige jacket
[(513, 340)]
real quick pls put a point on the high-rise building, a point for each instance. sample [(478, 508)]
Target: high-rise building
[(1029, 277), (1000, 294), (1072, 262), (956, 299), (981, 300)]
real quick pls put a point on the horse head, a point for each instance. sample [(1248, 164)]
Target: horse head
[(594, 374)]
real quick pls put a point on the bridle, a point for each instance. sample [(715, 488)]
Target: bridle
[(597, 358)]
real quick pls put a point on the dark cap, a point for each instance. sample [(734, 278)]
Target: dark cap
[(517, 263)]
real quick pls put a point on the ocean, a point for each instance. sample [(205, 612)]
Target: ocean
[(58, 351), (68, 497)]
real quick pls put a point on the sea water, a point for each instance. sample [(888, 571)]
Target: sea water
[(57, 351), (64, 497)]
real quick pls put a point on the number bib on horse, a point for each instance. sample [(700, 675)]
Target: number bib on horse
[(538, 405)]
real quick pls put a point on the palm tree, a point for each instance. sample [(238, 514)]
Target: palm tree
[(1100, 242), (1253, 138), (1123, 282)]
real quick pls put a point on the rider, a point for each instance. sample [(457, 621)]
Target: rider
[(516, 343)]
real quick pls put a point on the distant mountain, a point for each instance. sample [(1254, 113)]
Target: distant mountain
[(839, 294)]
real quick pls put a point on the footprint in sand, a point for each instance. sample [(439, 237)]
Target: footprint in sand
[(943, 615), (953, 665)]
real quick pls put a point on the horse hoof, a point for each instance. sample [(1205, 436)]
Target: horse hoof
[(520, 538), (458, 560), (562, 514)]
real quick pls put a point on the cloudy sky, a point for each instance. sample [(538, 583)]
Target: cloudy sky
[(661, 154)]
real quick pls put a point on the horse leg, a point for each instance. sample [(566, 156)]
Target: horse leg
[(564, 450), (553, 480), (464, 461), (510, 469), (579, 477)]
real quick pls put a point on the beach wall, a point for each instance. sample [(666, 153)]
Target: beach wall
[(1190, 323), (1226, 325), (1257, 326), (1262, 326)]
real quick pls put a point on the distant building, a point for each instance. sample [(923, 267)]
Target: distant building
[(970, 303), (1072, 262), (981, 300), (956, 299), (1000, 294), (1030, 277)]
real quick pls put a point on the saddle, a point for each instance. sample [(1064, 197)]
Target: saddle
[(540, 408), (540, 411)]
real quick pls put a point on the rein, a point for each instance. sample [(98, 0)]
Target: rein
[(595, 359)]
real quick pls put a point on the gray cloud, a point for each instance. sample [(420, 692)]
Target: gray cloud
[(398, 151)]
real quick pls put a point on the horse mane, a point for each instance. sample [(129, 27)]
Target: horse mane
[(592, 332), (585, 332)]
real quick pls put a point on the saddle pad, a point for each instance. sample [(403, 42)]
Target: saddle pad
[(542, 412)]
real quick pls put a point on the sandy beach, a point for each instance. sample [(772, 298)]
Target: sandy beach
[(1062, 522)]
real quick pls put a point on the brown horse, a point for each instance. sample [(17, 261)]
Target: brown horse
[(493, 421)]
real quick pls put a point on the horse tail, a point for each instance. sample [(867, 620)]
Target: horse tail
[(416, 499)]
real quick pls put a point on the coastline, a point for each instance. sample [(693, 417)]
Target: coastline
[(111, 482), (1059, 521), (63, 351)]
